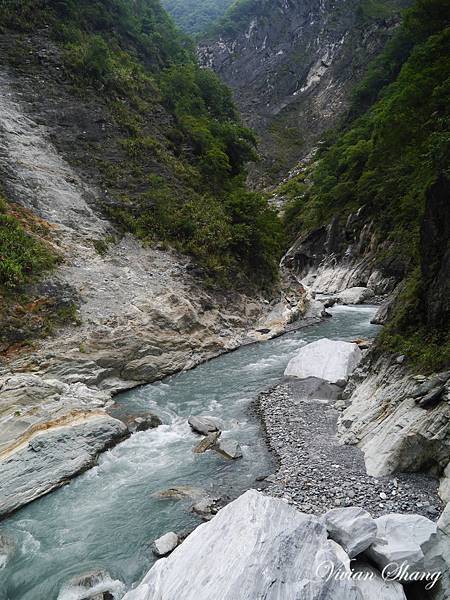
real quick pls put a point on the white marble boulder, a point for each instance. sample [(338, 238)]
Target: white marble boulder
[(330, 360), (255, 547), (372, 585), (401, 539), (165, 544), (354, 295), (352, 528)]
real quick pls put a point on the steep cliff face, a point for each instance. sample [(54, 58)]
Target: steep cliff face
[(292, 65), (345, 254)]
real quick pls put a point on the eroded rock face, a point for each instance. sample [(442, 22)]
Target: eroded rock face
[(330, 360), (355, 295), (255, 547), (292, 65), (50, 458), (49, 432), (386, 422), (352, 528), (345, 255)]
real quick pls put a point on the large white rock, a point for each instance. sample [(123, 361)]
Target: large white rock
[(326, 359), (355, 295), (256, 547), (402, 539), (372, 585), (165, 544), (353, 528)]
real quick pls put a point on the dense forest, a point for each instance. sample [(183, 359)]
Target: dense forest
[(196, 16), (389, 157), (180, 144)]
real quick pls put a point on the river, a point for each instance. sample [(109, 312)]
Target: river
[(108, 517)]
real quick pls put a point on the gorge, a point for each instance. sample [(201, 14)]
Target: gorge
[(154, 270)]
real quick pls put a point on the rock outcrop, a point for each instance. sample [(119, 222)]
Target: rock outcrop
[(330, 360), (48, 459), (386, 421), (345, 255), (49, 432)]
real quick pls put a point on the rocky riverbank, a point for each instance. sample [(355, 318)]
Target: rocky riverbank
[(317, 472), (381, 439)]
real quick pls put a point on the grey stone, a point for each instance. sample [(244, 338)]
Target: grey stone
[(402, 538), (180, 492), (7, 549), (352, 528), (373, 586), (229, 448), (205, 424), (355, 295), (142, 422), (206, 507), (444, 520), (207, 443)]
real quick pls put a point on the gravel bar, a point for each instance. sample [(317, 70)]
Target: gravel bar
[(316, 472)]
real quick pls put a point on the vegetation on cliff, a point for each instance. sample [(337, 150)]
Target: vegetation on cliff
[(195, 16), (241, 12), (174, 166), (23, 255), (386, 159)]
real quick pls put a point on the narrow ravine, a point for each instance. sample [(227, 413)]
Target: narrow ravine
[(108, 517)]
